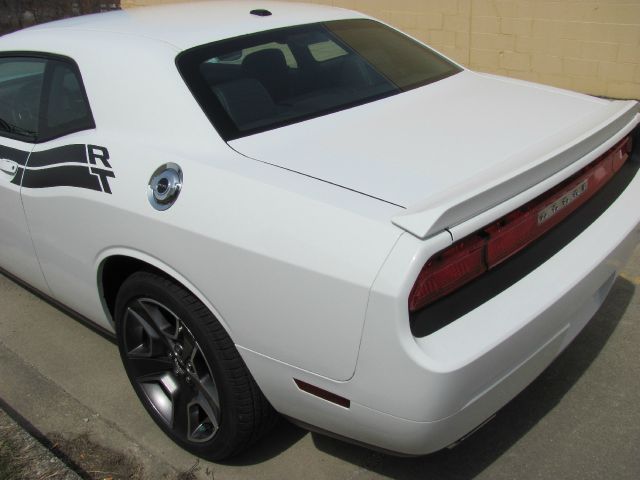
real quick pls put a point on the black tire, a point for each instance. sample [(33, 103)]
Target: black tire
[(180, 360)]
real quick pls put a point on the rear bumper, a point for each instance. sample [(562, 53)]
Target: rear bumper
[(473, 386), (417, 395), (450, 381)]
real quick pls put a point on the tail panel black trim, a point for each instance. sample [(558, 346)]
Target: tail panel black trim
[(445, 311)]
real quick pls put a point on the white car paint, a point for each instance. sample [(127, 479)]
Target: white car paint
[(541, 123), (410, 164), (16, 250), (309, 277)]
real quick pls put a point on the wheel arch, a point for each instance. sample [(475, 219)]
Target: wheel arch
[(116, 265)]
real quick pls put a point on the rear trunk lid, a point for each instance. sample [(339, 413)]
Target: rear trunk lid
[(449, 150)]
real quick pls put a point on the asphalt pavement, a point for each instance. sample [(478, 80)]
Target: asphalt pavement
[(579, 420)]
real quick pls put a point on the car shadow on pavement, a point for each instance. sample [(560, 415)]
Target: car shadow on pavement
[(283, 437), (513, 421)]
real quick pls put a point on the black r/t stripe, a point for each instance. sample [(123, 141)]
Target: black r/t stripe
[(15, 155), (63, 176), (54, 156), (65, 166)]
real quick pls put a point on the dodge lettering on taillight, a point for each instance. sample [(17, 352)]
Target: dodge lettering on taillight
[(566, 199)]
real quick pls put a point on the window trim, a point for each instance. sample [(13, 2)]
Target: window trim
[(42, 135)]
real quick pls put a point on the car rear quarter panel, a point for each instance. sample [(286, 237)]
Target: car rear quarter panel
[(285, 261)]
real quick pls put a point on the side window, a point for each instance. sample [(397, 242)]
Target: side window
[(21, 82), (66, 110)]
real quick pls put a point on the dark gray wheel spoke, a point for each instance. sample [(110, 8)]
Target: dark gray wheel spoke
[(161, 391), (146, 366), (189, 347), (164, 322), (181, 401), (143, 340), (205, 407), (203, 379), (207, 388), (195, 354)]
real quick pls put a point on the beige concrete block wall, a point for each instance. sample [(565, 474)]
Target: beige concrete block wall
[(585, 45)]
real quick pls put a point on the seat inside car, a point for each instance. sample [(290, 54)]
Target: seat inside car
[(246, 101), (270, 67)]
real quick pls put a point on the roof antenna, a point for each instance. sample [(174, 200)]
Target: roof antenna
[(260, 12)]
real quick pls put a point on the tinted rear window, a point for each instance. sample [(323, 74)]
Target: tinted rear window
[(270, 79)]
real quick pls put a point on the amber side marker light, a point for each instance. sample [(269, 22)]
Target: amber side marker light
[(321, 393), (474, 255)]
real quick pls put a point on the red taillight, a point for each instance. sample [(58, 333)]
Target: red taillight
[(470, 257), (620, 156), (448, 270), (518, 229)]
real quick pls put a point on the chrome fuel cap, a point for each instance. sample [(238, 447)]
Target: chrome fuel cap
[(164, 186)]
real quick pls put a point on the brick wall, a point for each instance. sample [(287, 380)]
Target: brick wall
[(585, 45)]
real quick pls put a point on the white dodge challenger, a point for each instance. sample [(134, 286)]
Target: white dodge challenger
[(291, 208)]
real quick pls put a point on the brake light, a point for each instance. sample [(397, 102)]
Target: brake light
[(622, 154), (472, 256), (448, 271)]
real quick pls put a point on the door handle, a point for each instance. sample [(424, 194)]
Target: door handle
[(9, 167)]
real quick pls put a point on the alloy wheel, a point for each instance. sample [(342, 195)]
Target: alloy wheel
[(169, 367)]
